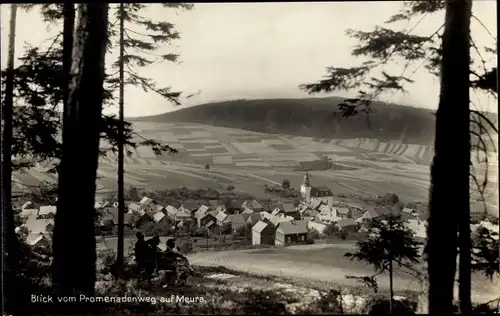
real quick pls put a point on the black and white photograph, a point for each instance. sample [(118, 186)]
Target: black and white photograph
[(250, 158)]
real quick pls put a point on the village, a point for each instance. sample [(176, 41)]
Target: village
[(249, 223)]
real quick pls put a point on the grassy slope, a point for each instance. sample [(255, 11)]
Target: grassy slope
[(312, 117)]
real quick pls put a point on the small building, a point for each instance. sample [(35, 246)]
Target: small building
[(47, 211), (161, 218), (133, 207), (252, 206), (28, 205), (276, 209), (344, 212), (141, 219), (28, 212), (347, 224), (128, 218), (171, 211), (160, 208), (190, 205), (205, 218), (419, 228), (408, 213), (37, 226), (252, 219), (310, 213), (265, 215), (263, 234), (317, 226), (38, 241), (221, 209), (291, 210), (222, 220), (237, 221), (291, 232)]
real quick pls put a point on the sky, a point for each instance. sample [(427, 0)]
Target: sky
[(266, 50)]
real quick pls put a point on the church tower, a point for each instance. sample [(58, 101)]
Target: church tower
[(305, 189)]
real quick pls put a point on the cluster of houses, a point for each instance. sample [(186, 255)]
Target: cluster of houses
[(278, 224)]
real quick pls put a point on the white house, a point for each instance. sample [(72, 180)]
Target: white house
[(46, 210), (317, 226)]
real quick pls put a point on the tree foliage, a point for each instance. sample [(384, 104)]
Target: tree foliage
[(485, 252), (389, 242), (39, 82)]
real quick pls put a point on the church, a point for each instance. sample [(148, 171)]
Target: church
[(311, 195)]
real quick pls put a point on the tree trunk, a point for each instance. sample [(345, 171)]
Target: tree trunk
[(9, 238), (121, 167), (449, 192), (74, 244), (68, 29), (391, 288)]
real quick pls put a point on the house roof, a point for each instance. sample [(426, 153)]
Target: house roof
[(248, 211), (49, 209), (209, 224), (146, 200), (221, 216), (321, 191), (214, 203), (311, 213), (315, 204), (213, 213), (39, 225), (26, 205), (33, 239), (133, 207), (259, 226), (253, 218), (202, 211), (265, 214), (237, 219), (342, 210), (113, 213), (183, 213), (408, 210), (221, 209), (346, 222), (158, 216), (171, 210), (28, 212), (383, 211), (293, 227), (289, 208), (276, 212), (159, 207), (275, 220), (275, 206), (251, 204), (190, 205), (324, 209)]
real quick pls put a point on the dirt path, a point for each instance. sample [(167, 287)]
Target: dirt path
[(246, 261)]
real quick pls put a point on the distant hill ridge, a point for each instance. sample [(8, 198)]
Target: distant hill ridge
[(311, 117)]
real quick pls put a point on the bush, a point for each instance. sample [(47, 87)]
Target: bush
[(380, 306), (230, 188), (342, 234), (187, 247), (313, 234), (390, 198), (207, 167), (285, 184), (309, 241)]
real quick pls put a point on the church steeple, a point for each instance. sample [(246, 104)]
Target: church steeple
[(306, 180)]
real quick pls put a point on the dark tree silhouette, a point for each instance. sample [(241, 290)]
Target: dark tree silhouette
[(74, 246)]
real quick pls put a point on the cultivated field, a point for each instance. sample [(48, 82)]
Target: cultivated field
[(248, 160)]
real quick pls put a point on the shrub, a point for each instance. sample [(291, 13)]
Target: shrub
[(230, 188), (380, 306), (207, 167), (342, 234), (390, 198), (313, 234), (187, 247), (285, 184)]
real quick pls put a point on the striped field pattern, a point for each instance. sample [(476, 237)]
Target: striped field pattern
[(248, 159)]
